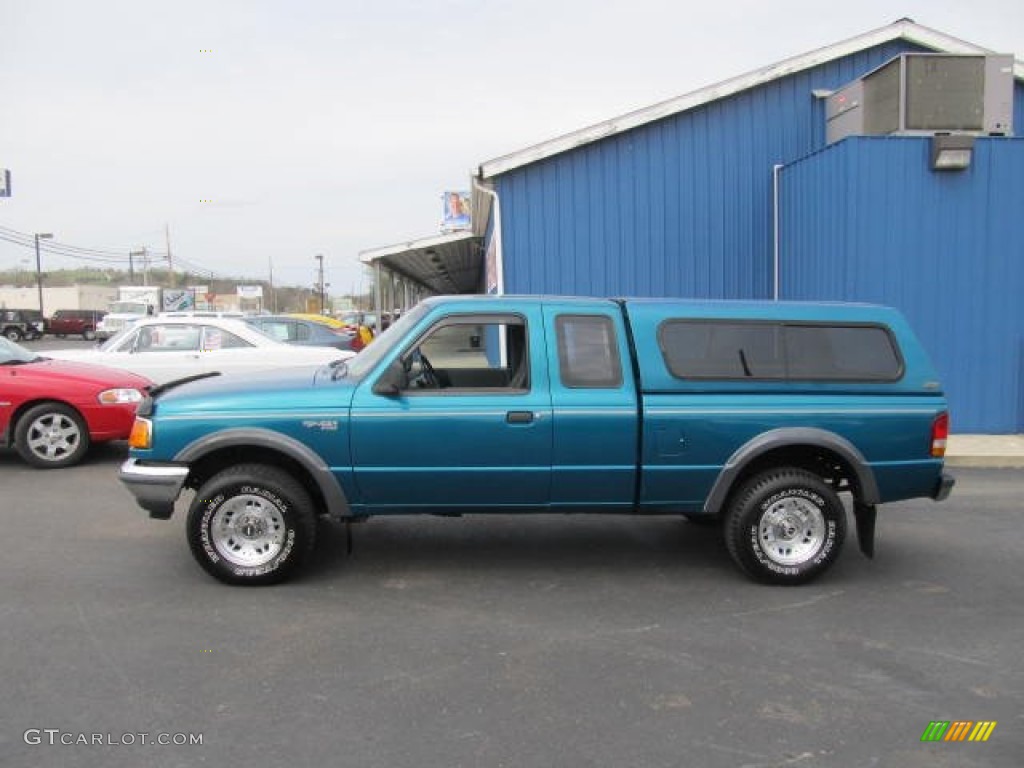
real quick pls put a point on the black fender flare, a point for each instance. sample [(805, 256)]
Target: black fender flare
[(783, 438), (310, 460)]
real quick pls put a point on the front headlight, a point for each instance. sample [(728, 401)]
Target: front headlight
[(120, 396)]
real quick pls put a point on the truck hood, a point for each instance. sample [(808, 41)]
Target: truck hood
[(290, 390)]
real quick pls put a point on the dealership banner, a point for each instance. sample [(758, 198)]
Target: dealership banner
[(455, 214), (178, 299)]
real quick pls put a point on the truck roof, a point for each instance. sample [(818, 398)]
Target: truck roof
[(740, 309)]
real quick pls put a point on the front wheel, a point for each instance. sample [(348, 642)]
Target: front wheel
[(251, 524), (88, 334), (51, 435), (785, 526)]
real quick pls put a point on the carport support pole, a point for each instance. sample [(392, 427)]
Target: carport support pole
[(377, 298)]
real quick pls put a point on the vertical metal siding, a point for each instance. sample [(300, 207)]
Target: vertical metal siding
[(1018, 109), (868, 220), (679, 207)]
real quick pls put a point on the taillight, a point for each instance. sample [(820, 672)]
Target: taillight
[(940, 433)]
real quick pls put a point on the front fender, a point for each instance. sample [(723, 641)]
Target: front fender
[(247, 437)]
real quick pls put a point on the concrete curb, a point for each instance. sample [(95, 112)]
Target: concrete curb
[(988, 462), (994, 451)]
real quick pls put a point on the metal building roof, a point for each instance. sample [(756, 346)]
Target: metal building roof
[(445, 264), (904, 29)]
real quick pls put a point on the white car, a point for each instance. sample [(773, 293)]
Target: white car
[(168, 348)]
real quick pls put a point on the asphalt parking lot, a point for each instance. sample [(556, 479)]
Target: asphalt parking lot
[(541, 641)]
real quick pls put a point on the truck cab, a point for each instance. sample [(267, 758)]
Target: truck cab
[(122, 314)]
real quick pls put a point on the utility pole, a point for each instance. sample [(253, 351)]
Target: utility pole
[(170, 259), (131, 264), (273, 296), (39, 268), (320, 282)]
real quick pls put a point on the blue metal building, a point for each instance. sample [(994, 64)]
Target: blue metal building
[(680, 200), (947, 249), (734, 191)]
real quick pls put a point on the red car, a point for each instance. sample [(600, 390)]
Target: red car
[(51, 411)]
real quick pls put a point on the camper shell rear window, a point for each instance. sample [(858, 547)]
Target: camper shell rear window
[(754, 350)]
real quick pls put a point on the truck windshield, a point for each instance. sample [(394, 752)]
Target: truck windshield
[(384, 342)]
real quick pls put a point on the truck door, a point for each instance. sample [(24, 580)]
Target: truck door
[(470, 428), (594, 407)]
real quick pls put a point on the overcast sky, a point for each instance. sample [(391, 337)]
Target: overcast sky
[(334, 126)]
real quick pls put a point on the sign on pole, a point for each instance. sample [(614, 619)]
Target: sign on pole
[(250, 291)]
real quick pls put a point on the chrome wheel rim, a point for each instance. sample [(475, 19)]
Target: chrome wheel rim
[(248, 530), (53, 436), (792, 531)]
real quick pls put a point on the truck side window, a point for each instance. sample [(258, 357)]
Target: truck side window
[(779, 351), (588, 353), (475, 352)]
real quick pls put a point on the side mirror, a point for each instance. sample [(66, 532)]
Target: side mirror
[(392, 381)]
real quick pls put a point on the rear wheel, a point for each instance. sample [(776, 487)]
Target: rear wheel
[(51, 435), (13, 334), (785, 526), (251, 524), (88, 334)]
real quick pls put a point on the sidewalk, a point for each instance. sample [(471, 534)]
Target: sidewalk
[(985, 451)]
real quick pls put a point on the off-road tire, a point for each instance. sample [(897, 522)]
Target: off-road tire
[(785, 526), (251, 525)]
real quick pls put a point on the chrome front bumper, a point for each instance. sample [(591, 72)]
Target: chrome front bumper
[(155, 486)]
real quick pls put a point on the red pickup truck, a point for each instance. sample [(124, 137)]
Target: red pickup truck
[(75, 322)]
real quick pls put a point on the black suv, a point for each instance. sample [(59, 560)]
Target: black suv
[(18, 324)]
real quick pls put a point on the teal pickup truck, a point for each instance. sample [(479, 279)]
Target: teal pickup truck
[(754, 416)]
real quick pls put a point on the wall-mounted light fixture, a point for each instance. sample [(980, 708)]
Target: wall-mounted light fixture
[(951, 152)]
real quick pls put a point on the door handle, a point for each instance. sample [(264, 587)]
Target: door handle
[(519, 417)]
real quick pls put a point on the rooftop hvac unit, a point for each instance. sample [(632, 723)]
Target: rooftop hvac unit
[(924, 94)]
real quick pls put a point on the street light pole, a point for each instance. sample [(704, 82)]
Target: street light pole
[(320, 283), (39, 267)]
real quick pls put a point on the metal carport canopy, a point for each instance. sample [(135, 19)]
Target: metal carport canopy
[(444, 264)]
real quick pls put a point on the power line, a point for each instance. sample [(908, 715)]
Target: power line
[(55, 246), (99, 256)]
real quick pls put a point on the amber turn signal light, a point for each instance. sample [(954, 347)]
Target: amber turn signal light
[(141, 435)]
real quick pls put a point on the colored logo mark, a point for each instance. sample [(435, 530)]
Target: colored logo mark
[(958, 730)]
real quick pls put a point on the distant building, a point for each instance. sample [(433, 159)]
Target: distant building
[(57, 297)]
